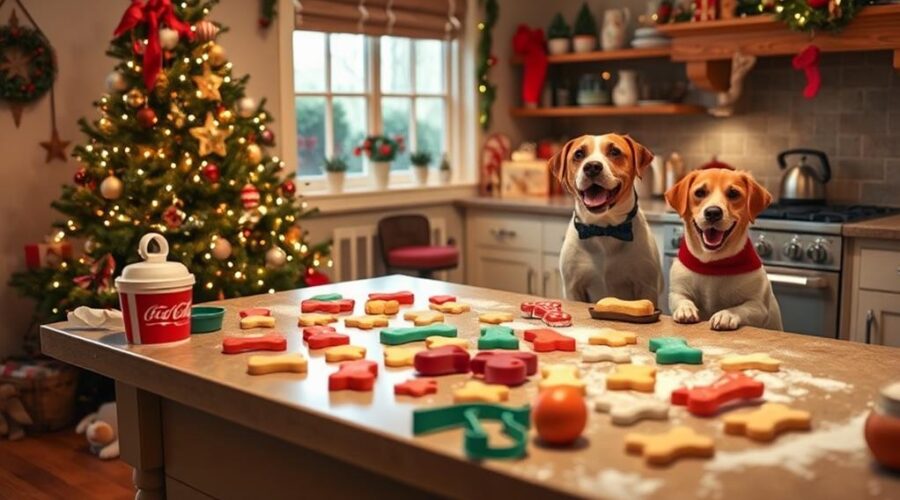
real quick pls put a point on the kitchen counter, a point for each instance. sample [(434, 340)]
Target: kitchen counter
[(193, 423), (654, 209), (882, 228)]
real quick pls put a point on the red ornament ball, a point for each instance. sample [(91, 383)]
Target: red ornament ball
[(289, 188), (817, 4), (249, 196), (267, 137), (385, 149), (211, 172), (560, 415), (80, 176), (146, 117)]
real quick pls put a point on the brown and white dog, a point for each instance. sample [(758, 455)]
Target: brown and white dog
[(608, 249), (718, 275)]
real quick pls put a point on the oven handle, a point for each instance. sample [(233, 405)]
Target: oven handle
[(798, 281)]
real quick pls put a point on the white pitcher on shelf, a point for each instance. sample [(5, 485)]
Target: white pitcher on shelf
[(625, 93), (615, 26)]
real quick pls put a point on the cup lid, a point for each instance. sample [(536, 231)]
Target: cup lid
[(889, 399), (155, 272)]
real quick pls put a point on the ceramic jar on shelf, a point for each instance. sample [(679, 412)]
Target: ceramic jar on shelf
[(625, 93)]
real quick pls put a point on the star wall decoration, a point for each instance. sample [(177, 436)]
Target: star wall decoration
[(56, 147), (211, 137), (15, 63)]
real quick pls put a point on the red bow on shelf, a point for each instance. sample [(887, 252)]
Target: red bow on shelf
[(151, 14), (100, 277)]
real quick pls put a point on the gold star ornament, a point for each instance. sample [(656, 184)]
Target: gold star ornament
[(208, 85), (56, 147), (211, 137)]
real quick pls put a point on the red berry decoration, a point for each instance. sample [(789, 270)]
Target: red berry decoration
[(80, 176), (211, 172), (267, 137), (146, 117), (289, 188), (385, 149)]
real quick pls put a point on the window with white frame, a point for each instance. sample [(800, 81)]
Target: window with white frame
[(348, 86)]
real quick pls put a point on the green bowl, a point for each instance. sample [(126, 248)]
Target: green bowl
[(205, 319)]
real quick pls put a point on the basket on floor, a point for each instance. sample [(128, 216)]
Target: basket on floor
[(47, 388)]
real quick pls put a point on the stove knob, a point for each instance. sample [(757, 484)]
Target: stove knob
[(763, 247), (818, 251), (793, 250)]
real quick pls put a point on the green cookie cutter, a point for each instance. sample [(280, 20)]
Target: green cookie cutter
[(672, 350), (516, 422), (405, 335), (498, 337), (327, 297), (205, 319)]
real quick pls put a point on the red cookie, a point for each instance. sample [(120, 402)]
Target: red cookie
[(356, 375), (538, 309), (504, 367), (268, 342), (406, 298), (327, 306), (547, 340), (320, 337), (705, 401), (442, 361), (557, 319), (416, 387), (255, 311), (441, 299)]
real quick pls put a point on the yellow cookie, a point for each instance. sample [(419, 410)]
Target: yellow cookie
[(561, 375), (478, 392), (387, 307), (257, 322), (660, 449), (261, 365), (495, 318), (422, 318), (313, 319), (400, 356), (436, 341), (450, 307), (345, 352), (366, 322)]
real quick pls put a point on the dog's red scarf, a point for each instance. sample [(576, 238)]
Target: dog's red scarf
[(742, 262)]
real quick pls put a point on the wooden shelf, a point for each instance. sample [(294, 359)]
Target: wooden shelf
[(605, 55), (576, 111)]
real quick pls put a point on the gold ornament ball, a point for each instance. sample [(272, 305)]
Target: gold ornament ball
[(275, 257), (246, 106), (217, 56), (111, 188), (135, 98), (105, 125), (226, 116), (254, 153), (221, 249)]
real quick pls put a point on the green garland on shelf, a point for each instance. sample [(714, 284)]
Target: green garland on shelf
[(486, 89), (818, 15)]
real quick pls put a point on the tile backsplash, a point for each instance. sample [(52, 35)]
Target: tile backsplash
[(855, 119)]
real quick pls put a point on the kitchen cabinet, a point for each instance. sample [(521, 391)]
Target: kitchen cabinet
[(551, 280), (878, 317), (511, 270), (874, 292)]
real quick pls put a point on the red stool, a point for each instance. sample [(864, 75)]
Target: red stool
[(406, 245)]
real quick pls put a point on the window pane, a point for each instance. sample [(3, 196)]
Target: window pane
[(396, 118), (309, 61), (395, 61), (348, 63), (310, 134), (430, 66), (349, 129), (430, 123)]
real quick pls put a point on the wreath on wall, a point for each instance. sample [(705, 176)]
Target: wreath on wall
[(27, 65), (817, 15)]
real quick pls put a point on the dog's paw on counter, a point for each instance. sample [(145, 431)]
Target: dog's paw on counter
[(724, 320), (686, 312)]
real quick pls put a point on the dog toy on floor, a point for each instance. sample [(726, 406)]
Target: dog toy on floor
[(13, 415), (101, 429)]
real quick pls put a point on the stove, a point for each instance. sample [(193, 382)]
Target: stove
[(802, 249)]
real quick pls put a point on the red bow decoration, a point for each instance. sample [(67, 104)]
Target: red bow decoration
[(530, 45), (150, 14), (100, 275), (808, 61)]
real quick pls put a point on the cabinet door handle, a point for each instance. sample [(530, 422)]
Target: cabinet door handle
[(529, 277), (546, 278), (870, 321)]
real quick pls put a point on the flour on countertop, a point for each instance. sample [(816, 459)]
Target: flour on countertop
[(292, 311), (482, 305), (617, 485)]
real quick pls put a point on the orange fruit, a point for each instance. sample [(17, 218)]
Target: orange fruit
[(559, 415)]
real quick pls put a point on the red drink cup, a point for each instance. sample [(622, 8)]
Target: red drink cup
[(155, 296)]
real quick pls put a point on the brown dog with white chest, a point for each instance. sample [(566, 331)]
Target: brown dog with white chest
[(718, 276), (608, 248)]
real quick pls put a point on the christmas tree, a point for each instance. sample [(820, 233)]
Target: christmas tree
[(177, 148)]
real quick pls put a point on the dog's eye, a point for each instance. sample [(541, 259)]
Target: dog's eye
[(700, 193), (578, 155), (614, 152), (732, 194)]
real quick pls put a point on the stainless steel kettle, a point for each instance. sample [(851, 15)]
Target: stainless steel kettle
[(802, 183)]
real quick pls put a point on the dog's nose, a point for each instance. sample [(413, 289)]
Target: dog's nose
[(593, 169), (712, 214)]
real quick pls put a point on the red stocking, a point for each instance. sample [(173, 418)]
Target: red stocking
[(530, 45), (808, 61)]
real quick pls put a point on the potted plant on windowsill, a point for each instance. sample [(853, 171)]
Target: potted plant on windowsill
[(585, 39), (444, 170), (420, 161), (335, 172), (381, 151), (558, 36)]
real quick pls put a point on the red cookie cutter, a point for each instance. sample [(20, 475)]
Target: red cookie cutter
[(442, 361), (504, 367)]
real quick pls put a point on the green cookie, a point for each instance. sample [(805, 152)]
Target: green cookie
[(672, 350), (498, 337), (327, 297), (405, 335)]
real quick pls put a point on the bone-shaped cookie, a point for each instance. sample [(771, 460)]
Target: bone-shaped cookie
[(257, 322), (327, 297), (475, 391), (313, 319), (596, 354), (405, 335), (441, 299), (661, 449), (385, 307), (422, 318), (671, 350), (254, 311), (366, 322), (268, 342), (261, 365), (400, 356), (612, 338), (450, 307), (758, 361), (327, 306), (632, 377), (497, 337), (510, 368), (416, 387), (767, 422), (537, 309), (405, 298), (437, 341), (356, 375), (561, 375), (547, 340), (557, 319), (320, 337), (495, 317), (442, 361), (347, 352), (626, 409), (705, 401)]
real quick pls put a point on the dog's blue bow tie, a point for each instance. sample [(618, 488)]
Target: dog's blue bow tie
[(621, 232)]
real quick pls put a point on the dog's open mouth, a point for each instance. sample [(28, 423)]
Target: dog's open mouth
[(713, 238), (597, 198)]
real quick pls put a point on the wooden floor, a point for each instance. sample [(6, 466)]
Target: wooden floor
[(59, 465)]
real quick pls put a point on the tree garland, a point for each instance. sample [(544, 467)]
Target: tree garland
[(20, 43), (486, 89), (818, 15)]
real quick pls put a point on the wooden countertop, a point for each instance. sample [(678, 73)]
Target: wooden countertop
[(882, 228), (654, 209), (835, 380)]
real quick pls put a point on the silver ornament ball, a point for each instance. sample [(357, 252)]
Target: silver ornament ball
[(275, 257), (111, 188), (246, 106), (115, 82), (221, 249), (168, 38)]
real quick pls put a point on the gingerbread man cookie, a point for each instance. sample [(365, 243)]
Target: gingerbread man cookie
[(561, 375), (422, 318), (661, 449), (344, 353), (450, 307), (612, 338), (400, 356), (356, 375), (632, 377), (478, 392), (767, 422), (313, 319), (416, 387), (366, 322)]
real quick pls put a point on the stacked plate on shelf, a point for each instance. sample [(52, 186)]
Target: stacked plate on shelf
[(647, 37)]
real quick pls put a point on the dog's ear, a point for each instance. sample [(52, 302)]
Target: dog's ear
[(642, 156), (678, 196), (559, 162), (758, 197)]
